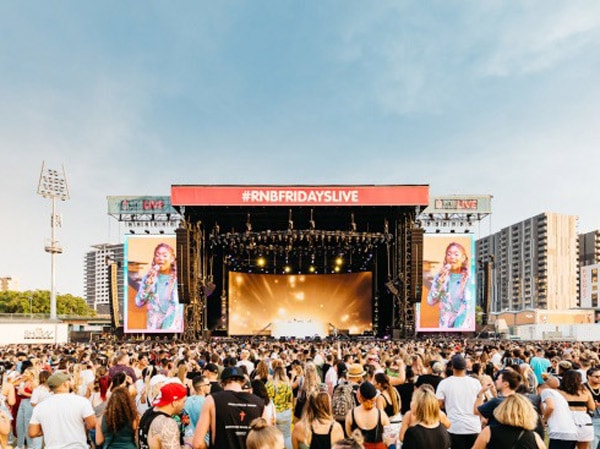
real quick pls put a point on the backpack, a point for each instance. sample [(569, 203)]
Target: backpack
[(342, 401), (144, 426)]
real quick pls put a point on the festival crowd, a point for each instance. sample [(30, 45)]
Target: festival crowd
[(301, 394)]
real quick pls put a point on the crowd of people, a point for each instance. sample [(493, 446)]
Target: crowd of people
[(301, 394)]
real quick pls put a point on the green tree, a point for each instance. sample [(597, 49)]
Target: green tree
[(38, 301)]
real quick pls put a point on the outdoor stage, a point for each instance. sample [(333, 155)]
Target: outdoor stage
[(307, 259)]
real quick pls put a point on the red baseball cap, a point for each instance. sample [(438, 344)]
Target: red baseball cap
[(170, 392)]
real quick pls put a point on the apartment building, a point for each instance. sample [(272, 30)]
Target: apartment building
[(532, 264), (97, 275)]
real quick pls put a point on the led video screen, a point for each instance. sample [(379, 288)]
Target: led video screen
[(299, 305), (448, 291), (151, 303)]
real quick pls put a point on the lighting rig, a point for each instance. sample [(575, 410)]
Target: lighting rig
[(297, 251)]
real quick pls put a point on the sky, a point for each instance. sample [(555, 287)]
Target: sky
[(471, 97)]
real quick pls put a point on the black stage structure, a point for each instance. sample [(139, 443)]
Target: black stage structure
[(294, 229)]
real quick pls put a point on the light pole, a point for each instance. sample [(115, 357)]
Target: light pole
[(53, 185), (31, 306)]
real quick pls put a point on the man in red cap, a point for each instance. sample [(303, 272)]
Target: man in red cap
[(157, 428)]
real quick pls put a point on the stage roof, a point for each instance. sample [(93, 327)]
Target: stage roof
[(271, 207)]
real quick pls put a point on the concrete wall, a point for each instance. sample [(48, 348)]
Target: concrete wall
[(32, 332), (578, 332)]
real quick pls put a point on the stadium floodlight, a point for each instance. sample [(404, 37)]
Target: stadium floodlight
[(53, 185)]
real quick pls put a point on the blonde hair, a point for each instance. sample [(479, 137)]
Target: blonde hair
[(318, 408), (516, 410), (426, 406), (263, 436), (354, 441)]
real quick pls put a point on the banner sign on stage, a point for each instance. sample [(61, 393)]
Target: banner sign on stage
[(118, 205), (399, 195), (463, 204)]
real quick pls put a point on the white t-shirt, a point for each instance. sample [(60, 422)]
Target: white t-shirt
[(459, 394), (39, 393), (560, 423), (62, 419)]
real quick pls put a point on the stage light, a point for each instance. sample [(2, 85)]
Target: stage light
[(287, 269), (146, 231), (337, 269), (312, 269), (131, 231), (261, 262), (339, 260)]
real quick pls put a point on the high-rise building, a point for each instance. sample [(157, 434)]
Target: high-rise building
[(589, 248), (532, 265), (97, 279)]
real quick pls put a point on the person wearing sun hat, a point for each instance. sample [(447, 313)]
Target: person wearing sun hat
[(157, 428), (226, 415), (64, 417)]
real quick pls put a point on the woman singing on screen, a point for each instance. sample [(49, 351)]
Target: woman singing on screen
[(158, 292), (450, 289)]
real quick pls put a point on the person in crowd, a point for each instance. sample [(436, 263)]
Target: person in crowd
[(426, 429), (309, 386), (122, 365), (263, 436), (317, 429), (367, 418), (158, 292), (117, 427), (406, 389), (211, 371), (539, 363), (593, 385), (64, 417), (259, 389), (562, 430), (157, 429), (193, 403), (280, 392), (506, 384), (516, 420), (389, 399), (409, 420), (227, 414), (581, 403), (245, 361), (433, 377), (261, 372), (451, 289), (457, 395), (42, 391), (24, 391)]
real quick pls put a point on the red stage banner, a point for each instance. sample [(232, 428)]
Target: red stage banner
[(399, 195)]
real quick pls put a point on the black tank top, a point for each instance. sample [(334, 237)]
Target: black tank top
[(503, 437), (321, 440), (234, 411), (374, 435)]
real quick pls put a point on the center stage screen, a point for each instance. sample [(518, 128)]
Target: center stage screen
[(299, 305)]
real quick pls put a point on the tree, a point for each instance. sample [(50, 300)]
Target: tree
[(38, 301)]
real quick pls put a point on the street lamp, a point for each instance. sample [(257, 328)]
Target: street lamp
[(53, 185)]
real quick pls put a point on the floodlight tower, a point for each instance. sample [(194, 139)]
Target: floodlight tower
[(53, 185)]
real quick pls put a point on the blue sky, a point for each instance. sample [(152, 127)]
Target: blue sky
[(494, 97)]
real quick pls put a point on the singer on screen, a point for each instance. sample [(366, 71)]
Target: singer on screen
[(450, 289), (158, 292)]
